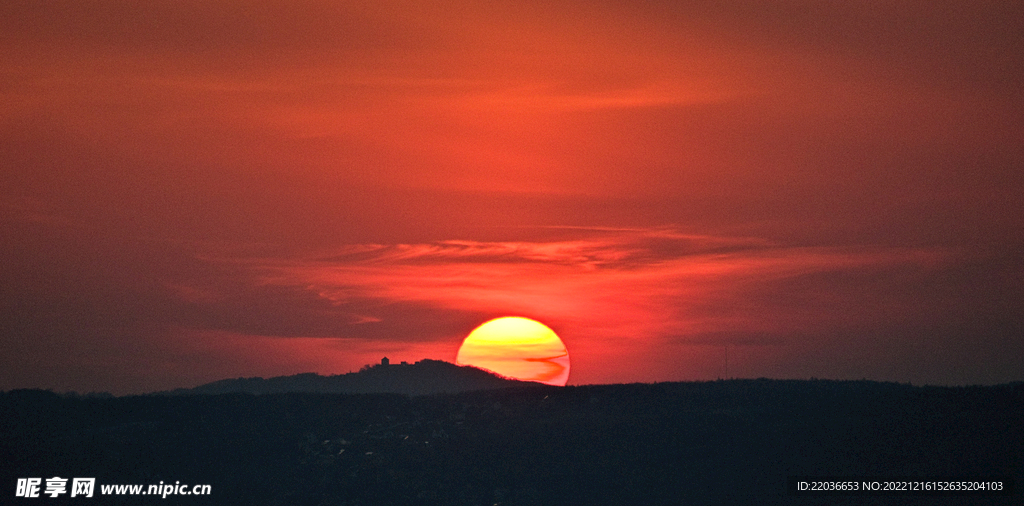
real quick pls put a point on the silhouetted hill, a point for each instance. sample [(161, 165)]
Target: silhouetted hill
[(422, 378), (710, 443)]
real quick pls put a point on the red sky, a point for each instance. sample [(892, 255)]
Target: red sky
[(194, 190)]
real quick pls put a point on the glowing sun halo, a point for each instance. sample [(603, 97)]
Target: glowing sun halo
[(518, 348)]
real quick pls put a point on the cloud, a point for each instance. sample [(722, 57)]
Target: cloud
[(635, 292), (634, 285)]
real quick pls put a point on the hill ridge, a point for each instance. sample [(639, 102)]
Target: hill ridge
[(424, 377)]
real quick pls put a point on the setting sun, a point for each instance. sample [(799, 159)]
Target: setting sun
[(518, 348)]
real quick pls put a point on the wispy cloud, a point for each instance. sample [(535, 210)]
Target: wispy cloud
[(639, 286)]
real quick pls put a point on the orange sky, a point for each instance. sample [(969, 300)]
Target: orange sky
[(191, 190)]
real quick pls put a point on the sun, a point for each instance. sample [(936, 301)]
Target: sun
[(518, 348)]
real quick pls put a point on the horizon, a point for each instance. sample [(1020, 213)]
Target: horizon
[(367, 367), (198, 190)]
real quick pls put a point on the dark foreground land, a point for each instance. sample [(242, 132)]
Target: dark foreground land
[(726, 442)]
